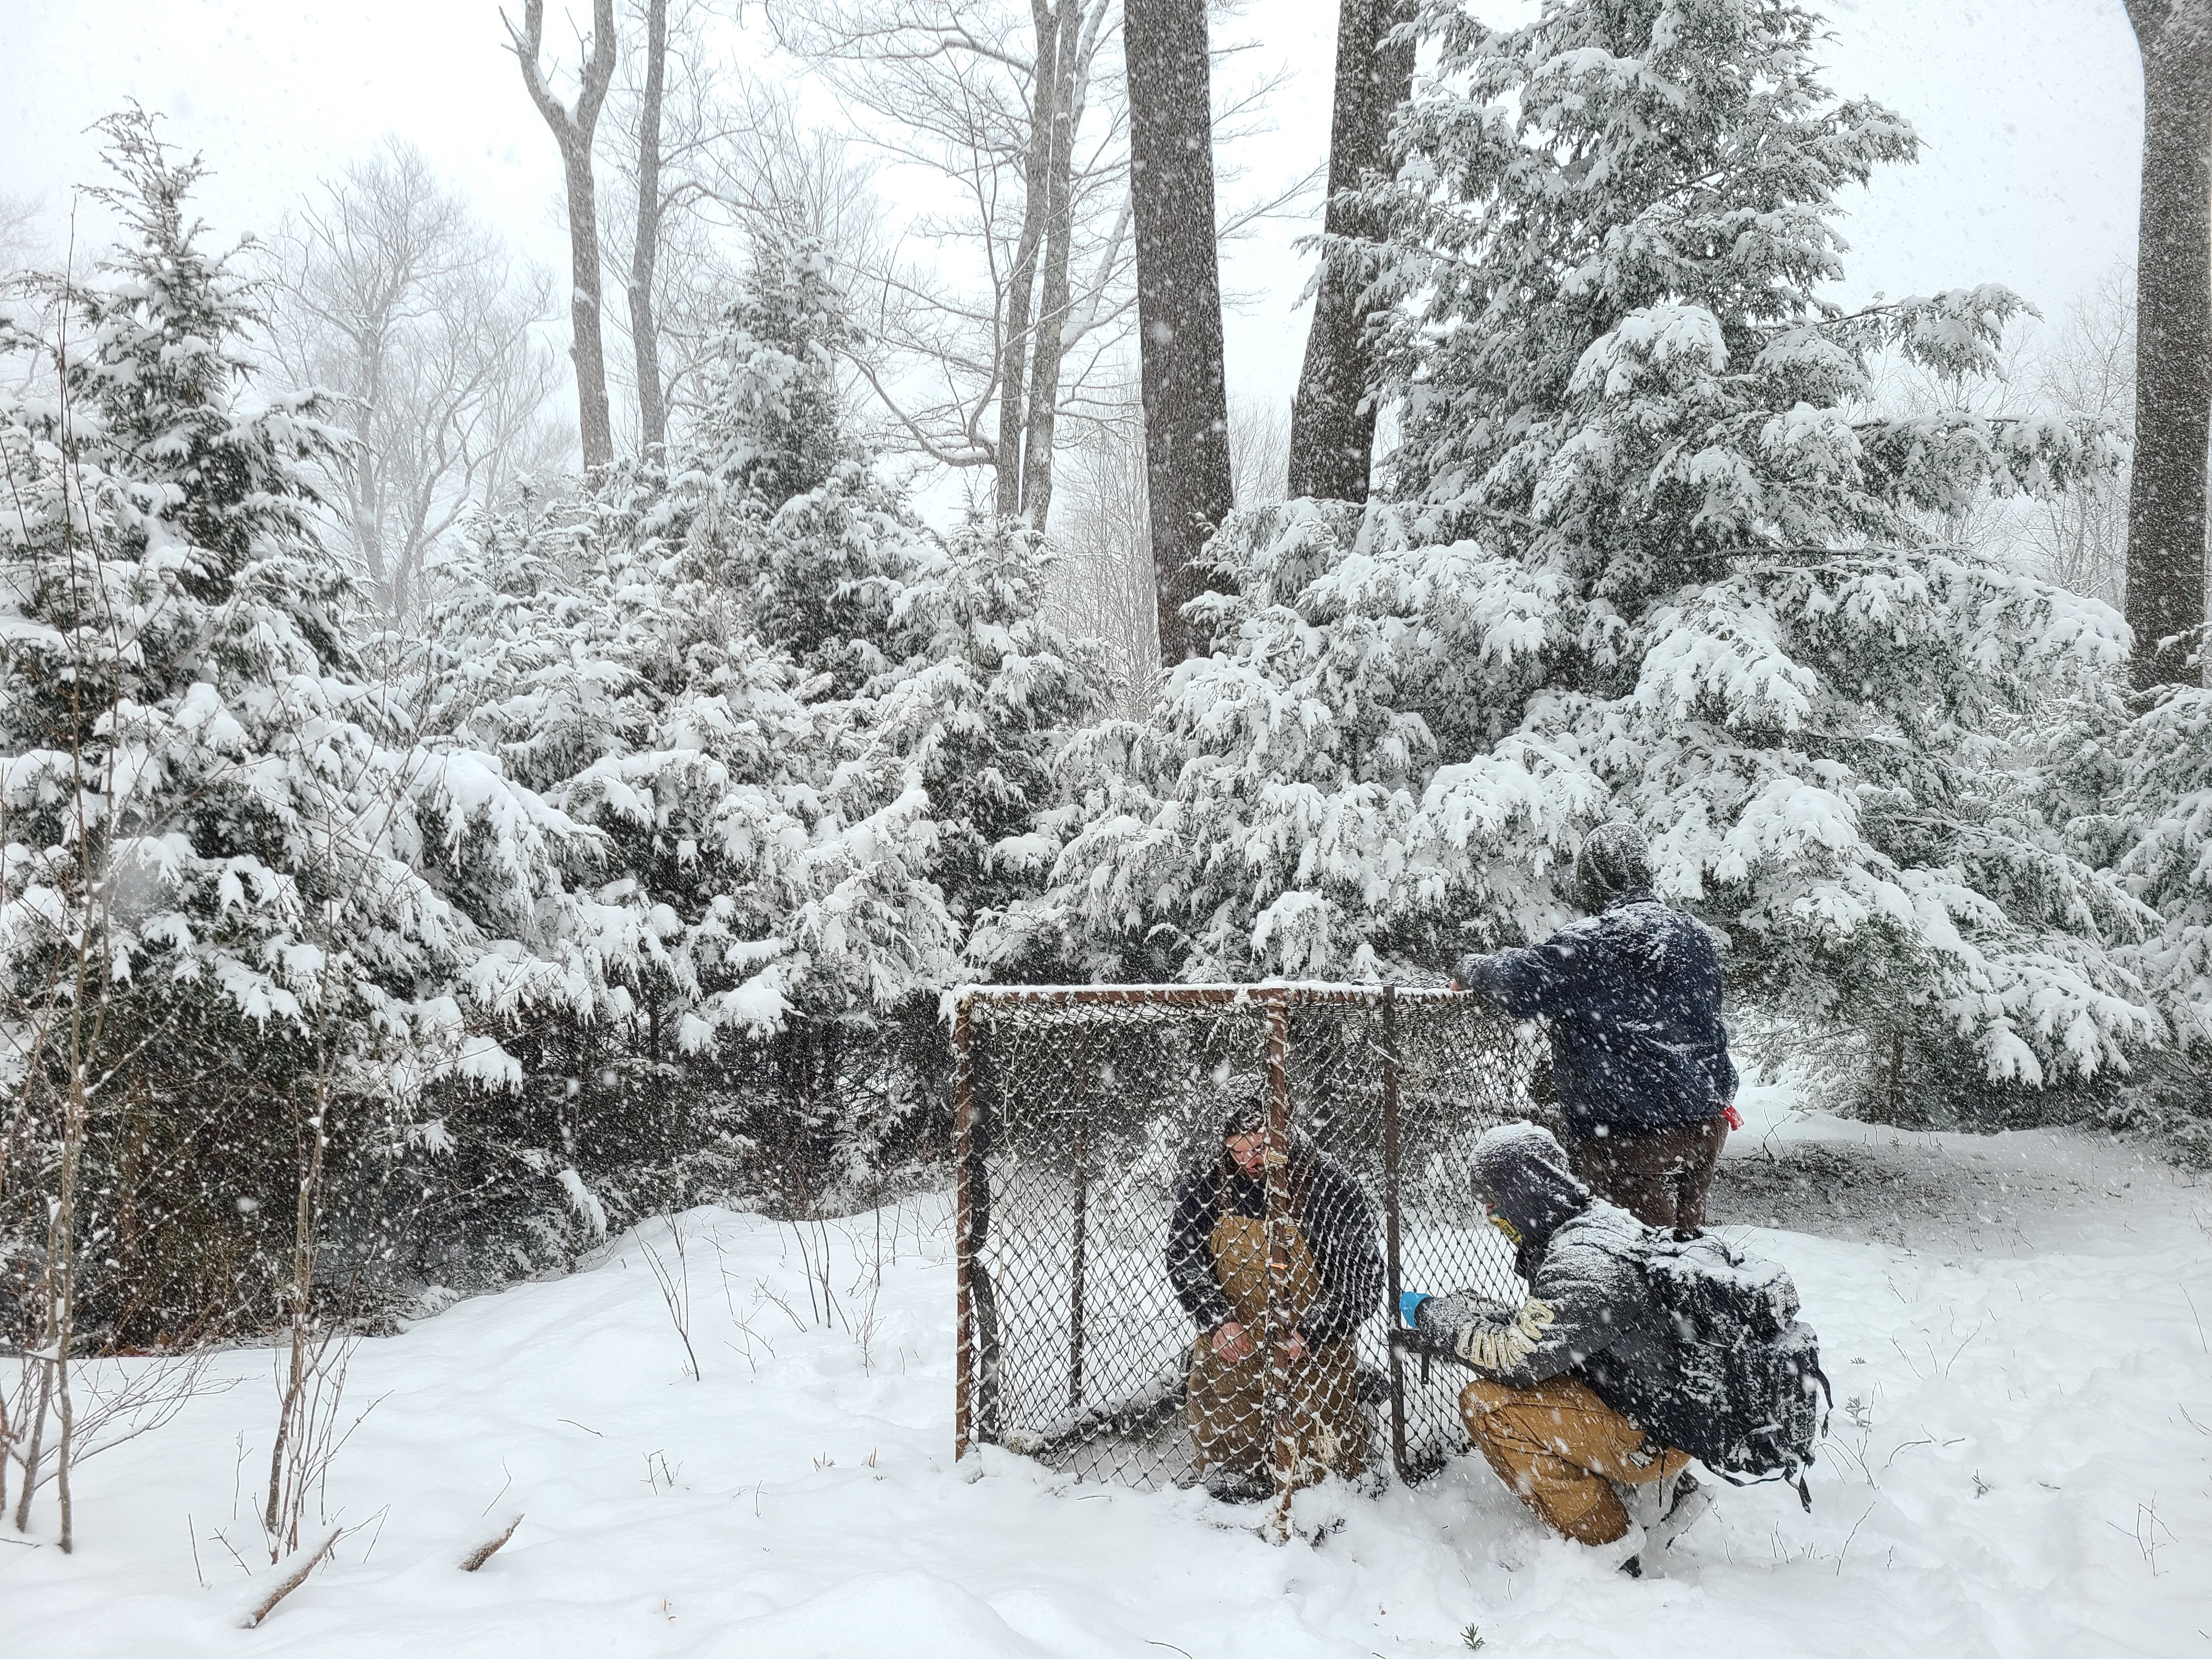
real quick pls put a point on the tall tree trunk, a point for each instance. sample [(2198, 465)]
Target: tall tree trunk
[(572, 131), (2173, 342), (1078, 41), (1178, 300), (645, 250), (1332, 420), (1021, 281)]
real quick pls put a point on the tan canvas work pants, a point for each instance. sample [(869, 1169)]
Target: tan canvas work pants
[(1227, 1401), (1559, 1445)]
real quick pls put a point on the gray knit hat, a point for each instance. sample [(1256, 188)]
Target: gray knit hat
[(1523, 1171), (1613, 861), (1242, 1105)]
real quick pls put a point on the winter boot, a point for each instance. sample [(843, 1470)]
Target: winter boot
[(1682, 1500), (1238, 1486), (1624, 1553)]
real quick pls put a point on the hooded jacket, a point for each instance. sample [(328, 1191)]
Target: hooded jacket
[(1329, 1207), (1632, 998), (1588, 1311)]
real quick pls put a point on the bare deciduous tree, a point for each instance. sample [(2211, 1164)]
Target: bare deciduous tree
[(732, 167), (1333, 422), (2087, 365), (1178, 300), (992, 329), (396, 299), (1259, 452), (1076, 31), (1102, 584), (18, 231), (644, 246), (573, 130), (2173, 342), (982, 347)]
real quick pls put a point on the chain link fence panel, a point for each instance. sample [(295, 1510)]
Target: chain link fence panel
[(1082, 1111)]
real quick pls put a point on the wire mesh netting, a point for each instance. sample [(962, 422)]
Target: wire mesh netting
[(1186, 1213)]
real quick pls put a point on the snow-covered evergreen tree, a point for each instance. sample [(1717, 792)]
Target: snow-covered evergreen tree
[(211, 877), (805, 738), (2150, 783), (1649, 552), (984, 704)]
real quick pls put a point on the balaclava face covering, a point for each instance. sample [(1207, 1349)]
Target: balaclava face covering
[(1524, 1173), (1614, 862)]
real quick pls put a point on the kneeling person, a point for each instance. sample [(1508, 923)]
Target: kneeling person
[(1568, 1383), (1330, 1279)]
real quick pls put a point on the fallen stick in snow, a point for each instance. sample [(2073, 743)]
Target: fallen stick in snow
[(488, 1543), (280, 1580)]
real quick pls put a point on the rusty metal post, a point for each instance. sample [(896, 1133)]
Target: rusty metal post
[(1393, 1283), (1282, 1421), (964, 1132)]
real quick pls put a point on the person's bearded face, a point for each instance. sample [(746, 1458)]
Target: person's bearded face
[(1249, 1152)]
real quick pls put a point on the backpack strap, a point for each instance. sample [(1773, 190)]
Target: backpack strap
[(1794, 1476)]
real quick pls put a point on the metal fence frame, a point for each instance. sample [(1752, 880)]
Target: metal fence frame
[(1275, 1001)]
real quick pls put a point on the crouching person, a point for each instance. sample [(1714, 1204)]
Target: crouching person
[(1329, 1275), (1570, 1385)]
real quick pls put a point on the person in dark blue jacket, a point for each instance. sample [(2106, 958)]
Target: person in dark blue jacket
[(1631, 997)]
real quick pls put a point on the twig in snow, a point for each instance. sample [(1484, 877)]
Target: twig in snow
[(2198, 1317), (675, 1293), (790, 1312), (489, 1546), (290, 1576), (382, 1515), (1905, 1445), (224, 1538), (1961, 1349), (2148, 1527)]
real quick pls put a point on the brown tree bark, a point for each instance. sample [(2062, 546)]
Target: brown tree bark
[(1332, 420), (1021, 284), (1178, 300), (2173, 342), (572, 131), (1078, 40), (645, 249)]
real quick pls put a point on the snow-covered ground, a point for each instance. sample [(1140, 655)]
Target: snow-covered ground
[(2021, 1465)]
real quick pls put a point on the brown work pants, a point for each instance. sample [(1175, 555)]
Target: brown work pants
[(1323, 1429), (1559, 1446), (1661, 1179)]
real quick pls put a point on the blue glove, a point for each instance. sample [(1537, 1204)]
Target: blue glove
[(1407, 1303)]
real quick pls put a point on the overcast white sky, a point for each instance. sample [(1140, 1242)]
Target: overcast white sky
[(2030, 111)]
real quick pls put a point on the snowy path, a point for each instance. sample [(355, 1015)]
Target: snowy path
[(2023, 1467)]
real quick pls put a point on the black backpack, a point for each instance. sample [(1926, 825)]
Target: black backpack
[(1752, 1398)]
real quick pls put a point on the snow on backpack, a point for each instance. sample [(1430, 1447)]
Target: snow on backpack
[(1754, 1399)]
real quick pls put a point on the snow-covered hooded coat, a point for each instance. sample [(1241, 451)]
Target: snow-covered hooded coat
[(1632, 998), (1326, 1203), (1588, 1311)]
